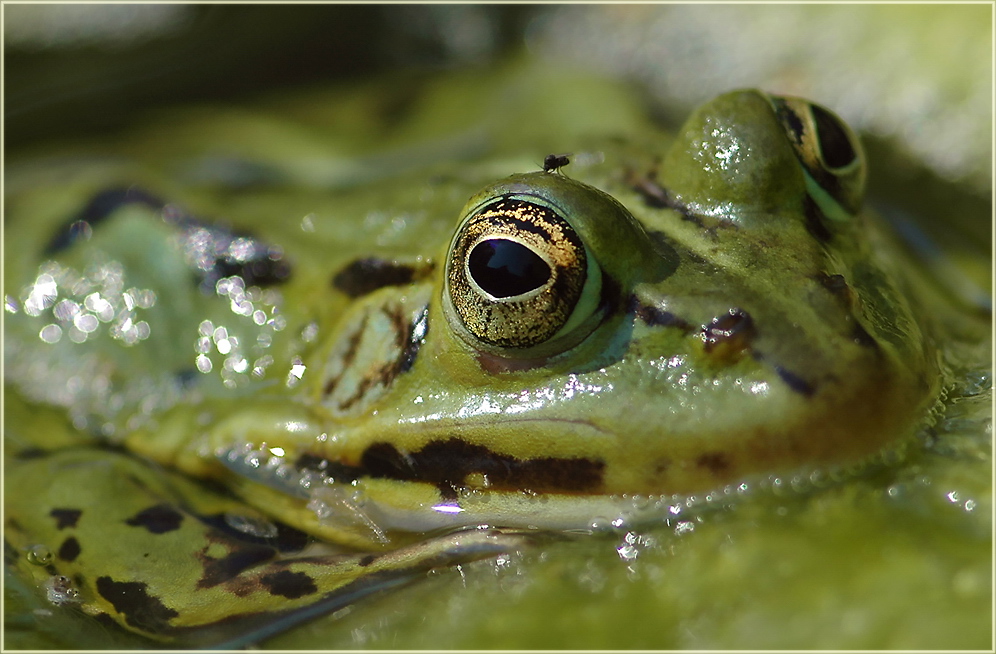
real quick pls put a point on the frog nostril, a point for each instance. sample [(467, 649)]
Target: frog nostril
[(728, 336), (505, 269)]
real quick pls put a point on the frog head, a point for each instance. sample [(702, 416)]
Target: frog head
[(574, 348), (671, 322)]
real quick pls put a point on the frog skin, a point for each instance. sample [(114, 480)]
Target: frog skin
[(628, 325)]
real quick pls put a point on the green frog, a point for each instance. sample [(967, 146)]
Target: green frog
[(248, 382)]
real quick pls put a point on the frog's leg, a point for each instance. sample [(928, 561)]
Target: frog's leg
[(176, 561)]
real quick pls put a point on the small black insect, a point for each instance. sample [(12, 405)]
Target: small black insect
[(554, 162)]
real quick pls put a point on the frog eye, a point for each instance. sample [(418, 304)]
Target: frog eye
[(517, 274), (830, 153)]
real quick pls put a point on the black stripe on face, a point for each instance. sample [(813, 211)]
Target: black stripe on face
[(795, 382), (448, 463), (653, 316), (368, 274)]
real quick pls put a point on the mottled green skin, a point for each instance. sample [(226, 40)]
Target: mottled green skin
[(653, 398)]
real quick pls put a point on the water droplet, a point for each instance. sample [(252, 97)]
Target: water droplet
[(85, 322), (39, 555), (50, 333), (600, 523), (974, 383), (684, 527), (59, 590), (628, 552), (203, 363), (252, 525), (310, 332), (10, 304)]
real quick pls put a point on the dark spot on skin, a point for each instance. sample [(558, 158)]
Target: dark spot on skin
[(158, 519), (100, 206), (365, 276), (10, 553), (446, 464), (655, 317), (795, 382), (51, 569), (816, 221), (656, 196), (366, 560), (218, 571), (29, 453), (729, 336), (289, 584), (715, 462), (132, 600), (65, 517), (69, 549)]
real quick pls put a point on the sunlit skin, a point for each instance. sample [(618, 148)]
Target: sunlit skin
[(658, 323)]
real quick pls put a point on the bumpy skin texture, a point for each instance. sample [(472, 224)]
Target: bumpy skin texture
[(689, 318)]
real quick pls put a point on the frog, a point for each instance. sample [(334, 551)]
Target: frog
[(273, 415)]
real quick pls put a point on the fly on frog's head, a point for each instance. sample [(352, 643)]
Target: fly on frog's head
[(552, 163)]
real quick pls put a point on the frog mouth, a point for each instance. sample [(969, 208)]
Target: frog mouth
[(450, 464)]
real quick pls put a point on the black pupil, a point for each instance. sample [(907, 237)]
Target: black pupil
[(834, 143), (506, 268)]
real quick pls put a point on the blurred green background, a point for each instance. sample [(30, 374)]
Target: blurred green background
[(915, 80)]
